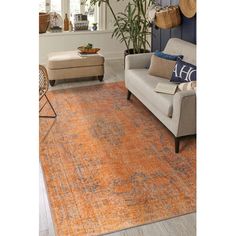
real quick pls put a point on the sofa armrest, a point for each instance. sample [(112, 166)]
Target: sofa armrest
[(184, 113), (138, 61)]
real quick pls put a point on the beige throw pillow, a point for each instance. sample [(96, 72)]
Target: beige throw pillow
[(161, 67)]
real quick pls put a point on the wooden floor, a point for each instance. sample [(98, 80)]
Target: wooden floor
[(178, 226)]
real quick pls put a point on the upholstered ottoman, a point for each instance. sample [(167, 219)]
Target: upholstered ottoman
[(70, 64)]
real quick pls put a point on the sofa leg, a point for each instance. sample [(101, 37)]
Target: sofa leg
[(176, 145), (100, 78), (52, 82), (128, 95)]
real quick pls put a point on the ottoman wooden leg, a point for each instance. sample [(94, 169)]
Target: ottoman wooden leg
[(52, 82), (100, 77), (176, 144)]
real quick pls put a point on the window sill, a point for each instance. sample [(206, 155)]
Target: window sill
[(82, 32)]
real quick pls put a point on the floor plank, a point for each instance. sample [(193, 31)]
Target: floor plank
[(43, 233), (43, 223), (179, 226)]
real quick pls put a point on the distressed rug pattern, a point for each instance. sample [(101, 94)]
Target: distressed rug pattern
[(109, 164)]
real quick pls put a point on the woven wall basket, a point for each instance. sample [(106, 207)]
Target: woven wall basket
[(43, 22), (188, 7), (168, 17)]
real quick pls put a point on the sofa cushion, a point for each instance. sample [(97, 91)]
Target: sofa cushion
[(183, 72), (161, 67), (180, 47), (140, 80), (71, 59)]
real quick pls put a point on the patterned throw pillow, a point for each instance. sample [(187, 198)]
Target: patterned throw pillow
[(184, 72), (187, 86), (162, 64)]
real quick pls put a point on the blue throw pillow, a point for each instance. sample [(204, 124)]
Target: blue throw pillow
[(184, 72), (167, 56)]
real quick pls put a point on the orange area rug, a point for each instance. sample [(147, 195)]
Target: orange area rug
[(109, 164)]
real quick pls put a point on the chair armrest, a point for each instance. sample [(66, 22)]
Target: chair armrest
[(184, 113), (138, 61)]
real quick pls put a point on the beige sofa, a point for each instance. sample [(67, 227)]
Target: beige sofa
[(177, 112)]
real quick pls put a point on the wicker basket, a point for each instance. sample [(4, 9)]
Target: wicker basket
[(43, 22), (168, 17), (84, 50)]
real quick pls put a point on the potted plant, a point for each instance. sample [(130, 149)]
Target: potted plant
[(95, 26), (131, 26)]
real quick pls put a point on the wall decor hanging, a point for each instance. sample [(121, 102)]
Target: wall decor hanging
[(188, 7), (168, 17)]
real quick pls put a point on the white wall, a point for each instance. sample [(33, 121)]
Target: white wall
[(117, 7), (53, 42)]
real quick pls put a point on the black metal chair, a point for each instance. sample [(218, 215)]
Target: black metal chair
[(43, 88)]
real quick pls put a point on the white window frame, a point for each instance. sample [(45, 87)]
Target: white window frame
[(100, 12), (102, 16), (48, 5)]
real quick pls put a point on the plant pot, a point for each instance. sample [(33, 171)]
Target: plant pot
[(131, 51), (94, 27)]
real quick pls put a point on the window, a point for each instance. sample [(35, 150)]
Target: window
[(91, 12), (75, 7), (42, 5), (55, 6), (71, 7)]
